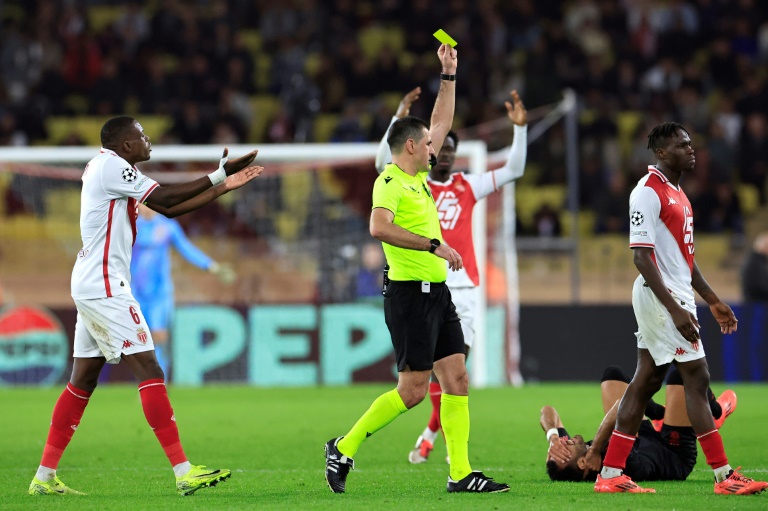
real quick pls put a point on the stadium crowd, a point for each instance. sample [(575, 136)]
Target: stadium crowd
[(633, 63)]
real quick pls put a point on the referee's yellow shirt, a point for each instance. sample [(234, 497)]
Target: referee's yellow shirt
[(410, 199)]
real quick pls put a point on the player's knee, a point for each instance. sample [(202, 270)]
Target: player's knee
[(613, 373), (413, 395)]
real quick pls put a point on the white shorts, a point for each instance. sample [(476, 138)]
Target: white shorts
[(657, 332), (465, 300), (110, 327)]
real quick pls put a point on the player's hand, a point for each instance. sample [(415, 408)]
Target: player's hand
[(237, 180), (454, 259), (558, 451), (516, 110), (448, 58), (224, 271), (405, 104), (594, 460), (725, 317), (238, 164), (687, 325)]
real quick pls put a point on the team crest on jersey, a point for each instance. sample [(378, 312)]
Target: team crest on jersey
[(129, 175), (141, 335), (636, 218)]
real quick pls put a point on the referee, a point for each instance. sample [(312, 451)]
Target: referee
[(421, 318)]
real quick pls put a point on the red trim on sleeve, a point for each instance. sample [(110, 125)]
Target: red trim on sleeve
[(105, 261), (493, 176), (644, 245), (144, 197)]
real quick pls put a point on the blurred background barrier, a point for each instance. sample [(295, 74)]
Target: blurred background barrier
[(339, 344)]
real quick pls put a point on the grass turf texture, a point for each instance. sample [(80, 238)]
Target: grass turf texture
[(272, 439)]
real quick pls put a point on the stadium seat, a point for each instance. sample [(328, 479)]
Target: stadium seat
[(251, 40), (323, 127), (264, 107), (530, 199), (101, 16), (263, 71), (749, 198), (627, 123), (89, 127)]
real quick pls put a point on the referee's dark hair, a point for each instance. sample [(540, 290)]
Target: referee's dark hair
[(403, 129), (659, 135), (115, 130)]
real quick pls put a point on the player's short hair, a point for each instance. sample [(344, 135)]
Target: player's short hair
[(659, 135), (115, 130), (453, 136), (570, 472), (403, 129)]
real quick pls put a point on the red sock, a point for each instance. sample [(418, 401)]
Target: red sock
[(712, 445), (159, 414), (435, 392), (66, 417), (619, 447)]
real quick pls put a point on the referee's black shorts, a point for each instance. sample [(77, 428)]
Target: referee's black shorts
[(424, 326)]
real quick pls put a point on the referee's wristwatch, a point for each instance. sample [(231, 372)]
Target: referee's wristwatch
[(434, 243)]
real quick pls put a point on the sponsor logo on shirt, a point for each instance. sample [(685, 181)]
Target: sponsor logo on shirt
[(638, 233), (138, 185), (448, 209), (671, 201)]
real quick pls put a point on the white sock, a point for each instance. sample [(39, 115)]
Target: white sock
[(181, 469), (429, 435), (721, 473), (45, 474), (610, 473)]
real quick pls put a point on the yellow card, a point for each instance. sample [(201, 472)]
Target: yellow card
[(444, 38)]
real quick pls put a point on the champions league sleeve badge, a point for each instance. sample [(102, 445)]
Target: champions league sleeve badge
[(129, 175), (636, 218)]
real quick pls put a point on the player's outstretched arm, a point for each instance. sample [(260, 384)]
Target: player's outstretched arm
[(173, 195), (383, 155), (230, 183), (720, 310), (442, 113)]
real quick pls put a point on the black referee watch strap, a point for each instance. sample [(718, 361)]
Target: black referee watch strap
[(434, 243), (450, 78)]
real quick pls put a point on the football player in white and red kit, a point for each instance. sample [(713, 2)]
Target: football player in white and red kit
[(661, 237), (110, 325), (455, 196)]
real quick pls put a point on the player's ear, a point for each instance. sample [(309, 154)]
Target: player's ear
[(581, 462)]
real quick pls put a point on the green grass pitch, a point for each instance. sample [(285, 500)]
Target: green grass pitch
[(272, 439)]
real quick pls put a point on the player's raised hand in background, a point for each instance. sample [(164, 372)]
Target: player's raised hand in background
[(448, 58), (405, 104), (516, 110), (238, 164)]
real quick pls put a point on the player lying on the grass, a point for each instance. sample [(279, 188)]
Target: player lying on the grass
[(110, 325), (663, 451)]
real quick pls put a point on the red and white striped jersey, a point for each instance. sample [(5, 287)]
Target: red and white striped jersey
[(661, 218), (109, 204), (455, 200)]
